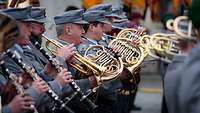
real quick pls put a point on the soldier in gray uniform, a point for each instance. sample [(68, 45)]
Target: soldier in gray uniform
[(69, 30), (38, 87), (110, 14), (118, 21), (185, 96), (171, 80), (94, 32), (20, 102)]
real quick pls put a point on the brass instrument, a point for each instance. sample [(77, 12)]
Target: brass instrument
[(78, 91), (131, 33), (164, 46), (132, 56), (182, 26), (159, 45), (135, 34), (96, 63)]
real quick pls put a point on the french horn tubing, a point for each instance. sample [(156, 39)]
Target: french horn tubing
[(97, 63)]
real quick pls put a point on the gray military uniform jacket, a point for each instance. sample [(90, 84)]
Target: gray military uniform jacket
[(188, 90), (108, 89), (13, 67), (171, 83)]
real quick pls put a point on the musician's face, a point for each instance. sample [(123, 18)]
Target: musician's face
[(24, 28), (37, 29), (77, 31), (107, 27), (98, 31)]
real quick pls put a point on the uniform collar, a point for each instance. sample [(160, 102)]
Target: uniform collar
[(91, 40), (63, 42)]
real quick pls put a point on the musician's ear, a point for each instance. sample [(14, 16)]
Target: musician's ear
[(91, 27), (67, 29)]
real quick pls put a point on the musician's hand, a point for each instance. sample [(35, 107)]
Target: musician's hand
[(66, 52), (40, 86), (64, 77), (50, 70), (141, 31), (134, 42), (21, 103)]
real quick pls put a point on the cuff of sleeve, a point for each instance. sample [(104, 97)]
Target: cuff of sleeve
[(56, 87), (6, 109)]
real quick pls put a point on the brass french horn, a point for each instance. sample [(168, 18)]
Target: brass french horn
[(132, 55), (182, 26), (159, 45), (164, 46), (131, 33), (104, 66)]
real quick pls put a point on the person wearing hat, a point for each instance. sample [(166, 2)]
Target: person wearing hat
[(3, 4), (20, 102), (186, 96), (37, 19), (38, 14), (171, 80), (37, 26), (110, 15), (94, 30), (114, 16), (94, 33), (39, 87), (69, 27)]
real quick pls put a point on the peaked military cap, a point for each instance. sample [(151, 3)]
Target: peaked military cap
[(38, 14), (73, 16), (193, 13), (118, 13), (95, 16), (3, 1), (22, 14), (105, 7), (120, 24)]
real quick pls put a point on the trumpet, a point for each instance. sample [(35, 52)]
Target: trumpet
[(104, 66)]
